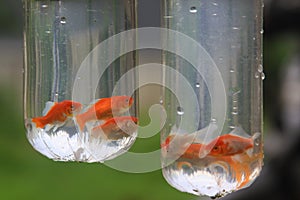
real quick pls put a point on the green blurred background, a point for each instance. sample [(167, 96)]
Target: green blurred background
[(25, 174)]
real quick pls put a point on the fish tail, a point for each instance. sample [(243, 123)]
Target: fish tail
[(80, 121), (39, 122)]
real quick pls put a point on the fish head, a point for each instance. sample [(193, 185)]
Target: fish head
[(227, 145), (121, 103), (71, 107), (217, 147)]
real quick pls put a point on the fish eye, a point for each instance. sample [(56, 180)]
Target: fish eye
[(216, 148)]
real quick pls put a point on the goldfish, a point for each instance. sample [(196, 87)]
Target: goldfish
[(58, 113), (116, 128), (104, 109), (228, 145), (224, 145)]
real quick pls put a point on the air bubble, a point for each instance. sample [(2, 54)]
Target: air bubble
[(231, 70), (234, 113), (261, 31), (263, 76), (213, 120), (180, 110), (44, 5), (256, 74), (197, 85), (193, 9), (48, 31), (235, 28), (260, 68), (215, 14), (161, 101), (63, 20)]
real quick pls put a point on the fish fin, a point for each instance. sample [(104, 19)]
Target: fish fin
[(239, 131), (38, 122), (48, 106), (80, 121)]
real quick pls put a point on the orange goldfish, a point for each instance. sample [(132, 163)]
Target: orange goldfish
[(104, 109), (227, 145), (58, 113), (116, 128)]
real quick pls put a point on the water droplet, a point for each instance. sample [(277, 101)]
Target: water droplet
[(168, 17), (256, 143), (232, 127), (215, 14), (254, 38), (256, 74), (48, 31), (235, 28), (56, 94), (261, 31), (180, 110), (234, 113), (63, 20), (231, 70), (197, 85), (213, 120), (161, 101), (193, 9), (215, 4), (263, 76), (260, 68), (44, 5), (234, 108)]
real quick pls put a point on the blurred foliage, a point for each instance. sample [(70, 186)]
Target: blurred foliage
[(278, 50), (11, 17)]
